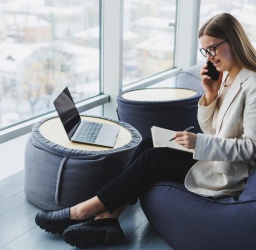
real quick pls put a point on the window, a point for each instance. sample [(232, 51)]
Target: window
[(148, 38), (244, 11), (45, 46), (48, 44)]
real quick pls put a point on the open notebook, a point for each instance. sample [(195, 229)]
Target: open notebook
[(161, 137)]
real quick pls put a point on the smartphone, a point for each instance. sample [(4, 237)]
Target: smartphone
[(212, 71)]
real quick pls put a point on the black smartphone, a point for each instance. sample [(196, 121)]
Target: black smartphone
[(212, 71)]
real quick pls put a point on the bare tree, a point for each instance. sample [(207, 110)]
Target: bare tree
[(50, 69), (31, 86)]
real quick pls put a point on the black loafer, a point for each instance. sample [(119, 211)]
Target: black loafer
[(94, 233), (56, 222)]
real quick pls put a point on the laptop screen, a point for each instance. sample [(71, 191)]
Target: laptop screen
[(67, 111)]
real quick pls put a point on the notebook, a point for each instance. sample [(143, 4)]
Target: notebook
[(161, 138), (78, 130)]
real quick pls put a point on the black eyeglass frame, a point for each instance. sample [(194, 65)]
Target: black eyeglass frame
[(212, 53)]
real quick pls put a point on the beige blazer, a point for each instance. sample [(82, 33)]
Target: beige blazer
[(227, 152)]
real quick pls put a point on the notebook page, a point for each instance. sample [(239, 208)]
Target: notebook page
[(161, 137)]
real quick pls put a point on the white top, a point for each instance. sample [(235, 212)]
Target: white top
[(158, 94), (54, 131)]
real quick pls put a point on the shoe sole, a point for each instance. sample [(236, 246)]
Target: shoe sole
[(44, 225), (91, 237)]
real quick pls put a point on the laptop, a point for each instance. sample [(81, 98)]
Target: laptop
[(82, 131)]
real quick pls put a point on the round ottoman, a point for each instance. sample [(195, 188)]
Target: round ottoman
[(60, 173), (170, 108), (189, 221)]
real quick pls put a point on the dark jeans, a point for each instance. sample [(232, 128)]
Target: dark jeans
[(147, 166)]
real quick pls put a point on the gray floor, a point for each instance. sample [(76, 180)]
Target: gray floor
[(18, 229)]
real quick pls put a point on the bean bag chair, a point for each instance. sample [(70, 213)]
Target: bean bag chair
[(187, 221), (57, 177)]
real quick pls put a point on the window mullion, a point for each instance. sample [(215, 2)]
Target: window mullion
[(112, 53), (187, 24)]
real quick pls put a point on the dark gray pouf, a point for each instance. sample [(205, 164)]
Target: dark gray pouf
[(170, 108), (188, 221), (58, 176)]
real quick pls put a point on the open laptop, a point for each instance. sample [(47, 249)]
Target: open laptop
[(82, 131)]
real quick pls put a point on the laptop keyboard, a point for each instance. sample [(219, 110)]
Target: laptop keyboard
[(87, 132)]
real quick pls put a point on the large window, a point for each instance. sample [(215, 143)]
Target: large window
[(96, 47), (46, 45), (244, 11), (148, 38)]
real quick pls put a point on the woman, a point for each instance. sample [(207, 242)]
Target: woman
[(223, 155)]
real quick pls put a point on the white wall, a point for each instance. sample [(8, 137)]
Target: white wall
[(12, 156)]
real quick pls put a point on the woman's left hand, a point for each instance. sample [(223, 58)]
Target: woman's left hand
[(186, 139)]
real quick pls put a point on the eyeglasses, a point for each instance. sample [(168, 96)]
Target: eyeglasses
[(211, 50)]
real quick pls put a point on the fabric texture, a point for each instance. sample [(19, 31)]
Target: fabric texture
[(189, 221), (57, 177)]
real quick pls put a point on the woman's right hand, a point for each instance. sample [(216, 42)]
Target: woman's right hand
[(211, 87)]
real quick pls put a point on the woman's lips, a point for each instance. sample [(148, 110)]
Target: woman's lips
[(215, 63)]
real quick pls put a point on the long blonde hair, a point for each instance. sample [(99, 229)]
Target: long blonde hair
[(227, 27)]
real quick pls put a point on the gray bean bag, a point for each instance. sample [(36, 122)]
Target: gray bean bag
[(58, 177), (187, 221)]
